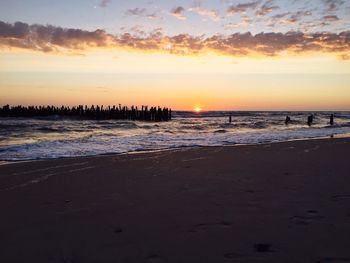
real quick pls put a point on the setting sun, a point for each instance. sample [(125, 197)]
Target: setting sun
[(197, 109)]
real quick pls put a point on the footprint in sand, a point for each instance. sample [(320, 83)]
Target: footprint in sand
[(311, 216), (340, 197), (225, 223), (263, 248), (117, 230), (232, 255), (203, 226), (154, 258)]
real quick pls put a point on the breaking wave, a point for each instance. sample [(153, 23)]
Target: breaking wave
[(55, 137)]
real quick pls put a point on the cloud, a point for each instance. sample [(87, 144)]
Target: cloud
[(212, 14), (279, 16), (332, 5), (56, 39), (311, 25), (138, 29), (344, 56), (17, 30), (104, 3), (318, 23), (136, 11), (330, 18), (178, 12), (266, 8), (142, 12), (246, 21), (241, 8), (289, 19), (49, 38)]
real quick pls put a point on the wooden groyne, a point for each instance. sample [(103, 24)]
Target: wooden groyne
[(144, 113)]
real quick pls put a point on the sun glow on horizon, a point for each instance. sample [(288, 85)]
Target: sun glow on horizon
[(197, 109)]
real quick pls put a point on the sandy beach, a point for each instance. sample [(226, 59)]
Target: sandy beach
[(282, 202)]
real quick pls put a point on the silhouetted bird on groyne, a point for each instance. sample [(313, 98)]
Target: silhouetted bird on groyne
[(93, 112)]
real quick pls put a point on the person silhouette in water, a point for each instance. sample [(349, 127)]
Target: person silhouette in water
[(310, 119), (331, 121), (287, 120)]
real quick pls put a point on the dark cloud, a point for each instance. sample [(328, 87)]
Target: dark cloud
[(332, 5), (17, 30), (178, 12), (330, 18), (56, 39), (138, 29), (49, 38), (266, 8), (298, 16), (104, 3), (136, 11), (241, 8), (141, 12), (294, 19), (279, 16)]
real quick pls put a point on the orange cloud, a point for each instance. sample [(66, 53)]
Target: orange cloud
[(49, 38), (212, 14), (57, 39)]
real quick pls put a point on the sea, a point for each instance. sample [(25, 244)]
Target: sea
[(57, 137)]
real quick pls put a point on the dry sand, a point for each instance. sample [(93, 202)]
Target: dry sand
[(283, 202)]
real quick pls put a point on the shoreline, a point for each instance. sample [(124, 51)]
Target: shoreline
[(336, 136)]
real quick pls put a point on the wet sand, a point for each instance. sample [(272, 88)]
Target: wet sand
[(283, 202)]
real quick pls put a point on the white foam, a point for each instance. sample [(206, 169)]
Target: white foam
[(79, 139)]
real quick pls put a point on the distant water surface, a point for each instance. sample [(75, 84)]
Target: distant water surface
[(56, 137)]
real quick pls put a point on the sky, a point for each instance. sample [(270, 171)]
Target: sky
[(183, 54)]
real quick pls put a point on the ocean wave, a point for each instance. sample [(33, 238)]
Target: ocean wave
[(191, 127), (220, 131), (13, 126), (92, 145), (52, 129), (40, 139)]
